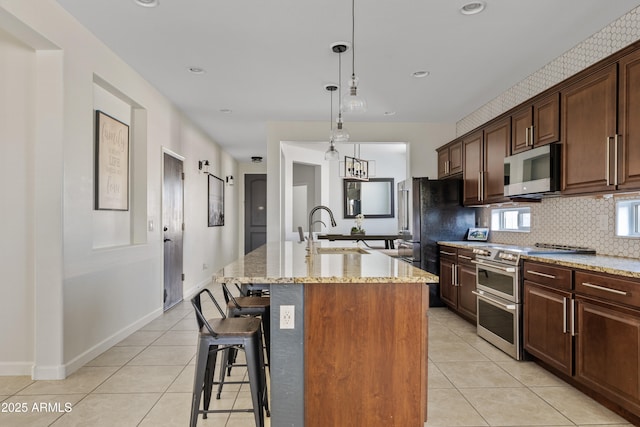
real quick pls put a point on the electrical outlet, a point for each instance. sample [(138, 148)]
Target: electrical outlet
[(287, 317), (205, 266), (603, 222)]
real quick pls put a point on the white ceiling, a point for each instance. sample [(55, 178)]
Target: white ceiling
[(269, 60)]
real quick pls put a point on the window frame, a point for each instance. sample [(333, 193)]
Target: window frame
[(501, 220), (628, 218)]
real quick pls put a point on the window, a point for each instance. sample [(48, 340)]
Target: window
[(628, 218), (511, 219)]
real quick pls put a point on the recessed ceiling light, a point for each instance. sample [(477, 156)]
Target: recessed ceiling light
[(226, 110), (420, 74), (256, 159), (197, 70), (147, 3), (472, 8), (389, 113)]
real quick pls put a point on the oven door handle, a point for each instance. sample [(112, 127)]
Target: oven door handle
[(495, 267), (481, 294)]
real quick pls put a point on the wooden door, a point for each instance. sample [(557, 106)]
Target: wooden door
[(497, 144), (588, 124), (448, 289), (467, 301), (255, 211), (472, 160), (455, 158), (608, 351), (546, 120), (546, 326), (443, 162), (628, 151), (521, 122), (172, 223)]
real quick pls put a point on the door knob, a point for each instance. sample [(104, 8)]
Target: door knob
[(166, 229), (167, 240)]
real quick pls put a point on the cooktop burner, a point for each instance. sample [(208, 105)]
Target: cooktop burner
[(510, 254), (564, 248)]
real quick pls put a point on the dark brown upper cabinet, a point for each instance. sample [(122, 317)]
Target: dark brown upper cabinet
[(589, 108), (536, 124), (450, 159), (627, 147)]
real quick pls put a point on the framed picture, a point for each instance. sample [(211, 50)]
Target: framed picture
[(216, 201), (111, 163)]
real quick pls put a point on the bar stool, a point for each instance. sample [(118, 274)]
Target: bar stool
[(222, 334), (250, 306), (243, 306)]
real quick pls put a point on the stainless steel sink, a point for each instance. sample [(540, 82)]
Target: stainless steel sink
[(345, 250)]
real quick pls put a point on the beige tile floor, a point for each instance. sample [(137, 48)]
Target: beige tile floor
[(146, 381)]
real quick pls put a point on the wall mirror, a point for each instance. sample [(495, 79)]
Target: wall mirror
[(373, 198)]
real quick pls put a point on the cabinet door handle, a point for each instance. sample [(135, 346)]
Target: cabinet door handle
[(479, 186), (526, 136), (446, 253), (615, 160), (573, 318), (608, 160), (453, 274), (464, 257), (456, 271), (564, 315), (603, 288), (536, 273), (532, 142)]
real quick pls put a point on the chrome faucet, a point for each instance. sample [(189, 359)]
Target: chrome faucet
[(311, 222)]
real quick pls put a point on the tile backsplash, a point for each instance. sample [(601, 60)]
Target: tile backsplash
[(576, 221), (615, 36)]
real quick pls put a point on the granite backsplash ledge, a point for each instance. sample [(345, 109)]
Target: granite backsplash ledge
[(576, 221)]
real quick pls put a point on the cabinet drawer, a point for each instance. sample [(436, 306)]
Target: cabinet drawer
[(448, 252), (465, 256), (547, 274), (612, 288)]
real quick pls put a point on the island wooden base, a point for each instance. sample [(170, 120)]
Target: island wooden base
[(365, 354)]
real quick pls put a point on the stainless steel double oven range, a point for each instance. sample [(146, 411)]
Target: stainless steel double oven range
[(499, 292)]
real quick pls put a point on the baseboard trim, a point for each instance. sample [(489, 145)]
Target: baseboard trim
[(109, 342), (188, 293), (15, 368)]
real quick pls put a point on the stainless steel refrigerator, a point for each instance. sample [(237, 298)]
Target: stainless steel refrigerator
[(430, 211)]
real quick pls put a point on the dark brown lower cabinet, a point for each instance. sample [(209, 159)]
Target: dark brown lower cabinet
[(587, 329), (608, 351), (467, 301), (458, 281), (547, 333)]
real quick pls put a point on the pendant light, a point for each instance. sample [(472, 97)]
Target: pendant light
[(340, 134), (352, 103), (331, 154)]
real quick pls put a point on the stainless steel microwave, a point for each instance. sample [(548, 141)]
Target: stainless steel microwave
[(533, 173)]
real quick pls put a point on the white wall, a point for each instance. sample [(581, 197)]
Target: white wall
[(17, 104), (67, 297), (422, 139)]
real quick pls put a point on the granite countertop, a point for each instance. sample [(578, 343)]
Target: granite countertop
[(286, 262), (618, 266), (627, 267)]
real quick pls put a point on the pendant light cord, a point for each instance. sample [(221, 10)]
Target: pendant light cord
[(331, 116), (353, 39)]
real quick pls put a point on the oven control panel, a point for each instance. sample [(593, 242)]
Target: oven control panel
[(481, 252), (508, 256)]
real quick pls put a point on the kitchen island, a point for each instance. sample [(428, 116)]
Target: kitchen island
[(357, 351)]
